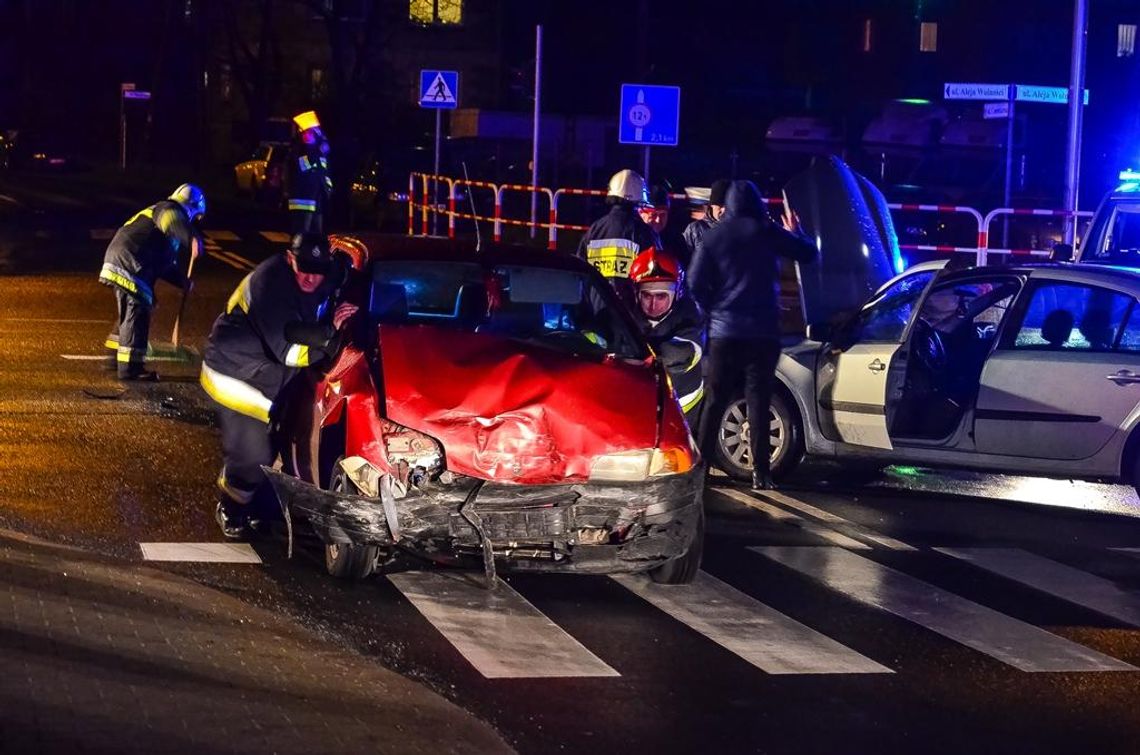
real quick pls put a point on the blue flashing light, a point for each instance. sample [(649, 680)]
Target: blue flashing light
[(1128, 188), (1130, 176), (901, 264)]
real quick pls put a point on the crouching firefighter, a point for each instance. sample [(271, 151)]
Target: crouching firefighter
[(673, 325), (275, 324), (148, 247)]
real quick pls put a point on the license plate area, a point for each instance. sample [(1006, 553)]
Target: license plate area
[(538, 524)]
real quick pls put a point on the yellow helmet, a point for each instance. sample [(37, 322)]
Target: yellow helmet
[(307, 120)]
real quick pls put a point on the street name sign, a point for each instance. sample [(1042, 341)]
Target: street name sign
[(967, 91)]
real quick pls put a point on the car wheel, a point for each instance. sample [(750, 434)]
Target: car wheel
[(733, 453), (683, 569), (344, 560)]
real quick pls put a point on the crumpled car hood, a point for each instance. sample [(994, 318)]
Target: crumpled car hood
[(511, 411)]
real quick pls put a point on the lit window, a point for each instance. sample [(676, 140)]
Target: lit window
[(436, 11), (928, 37), (1125, 40), (867, 35)]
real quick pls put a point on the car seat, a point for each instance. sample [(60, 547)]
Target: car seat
[(1057, 327)]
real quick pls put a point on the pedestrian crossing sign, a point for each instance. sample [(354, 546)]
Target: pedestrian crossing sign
[(439, 89)]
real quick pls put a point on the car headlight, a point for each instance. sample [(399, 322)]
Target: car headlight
[(636, 466)]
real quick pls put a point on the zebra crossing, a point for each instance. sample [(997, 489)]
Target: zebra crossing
[(842, 564)]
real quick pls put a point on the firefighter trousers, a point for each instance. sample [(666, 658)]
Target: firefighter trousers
[(130, 334), (307, 221), (246, 447)]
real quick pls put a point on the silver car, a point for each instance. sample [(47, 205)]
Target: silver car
[(1028, 369)]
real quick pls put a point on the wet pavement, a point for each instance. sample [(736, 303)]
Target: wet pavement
[(895, 610)]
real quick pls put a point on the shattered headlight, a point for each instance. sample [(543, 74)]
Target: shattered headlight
[(636, 466), (419, 453)]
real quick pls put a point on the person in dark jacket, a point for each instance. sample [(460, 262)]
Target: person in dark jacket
[(695, 231), (673, 326), (615, 239), (146, 248), (274, 325), (307, 178), (658, 214), (735, 279)]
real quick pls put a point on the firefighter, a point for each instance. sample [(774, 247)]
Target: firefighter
[(673, 325), (658, 215), (273, 326), (308, 184), (616, 238), (148, 247)]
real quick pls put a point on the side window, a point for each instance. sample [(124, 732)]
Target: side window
[(1075, 317), (982, 303), (885, 318), (1123, 242)]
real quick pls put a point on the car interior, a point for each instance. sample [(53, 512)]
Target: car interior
[(948, 345)]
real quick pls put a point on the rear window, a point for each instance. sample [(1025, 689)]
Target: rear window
[(559, 309)]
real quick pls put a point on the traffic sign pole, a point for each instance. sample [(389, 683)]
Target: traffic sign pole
[(435, 175), (534, 147), (645, 173), (1008, 164), (1076, 115)]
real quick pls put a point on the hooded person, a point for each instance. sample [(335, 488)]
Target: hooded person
[(673, 326), (276, 323), (614, 240), (735, 279), (695, 231)]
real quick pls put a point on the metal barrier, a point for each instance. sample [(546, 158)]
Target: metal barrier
[(982, 223), (985, 249), (946, 209)]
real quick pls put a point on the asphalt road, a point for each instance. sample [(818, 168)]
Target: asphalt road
[(854, 611)]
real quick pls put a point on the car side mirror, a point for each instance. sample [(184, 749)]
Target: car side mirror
[(820, 331), (1062, 253)]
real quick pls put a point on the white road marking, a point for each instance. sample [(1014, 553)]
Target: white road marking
[(277, 237), (761, 635), (222, 236), (218, 553), (1065, 582), (99, 357), (239, 259), (827, 516), (498, 631), (780, 515), (1002, 637), (11, 200), (223, 258), (1129, 551), (102, 234)]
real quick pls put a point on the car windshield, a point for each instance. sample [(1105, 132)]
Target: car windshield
[(1122, 244), (560, 309)]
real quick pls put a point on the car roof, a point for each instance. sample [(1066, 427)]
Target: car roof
[(1087, 272), (384, 246)]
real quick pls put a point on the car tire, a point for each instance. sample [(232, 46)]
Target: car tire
[(345, 560), (683, 569), (732, 453)]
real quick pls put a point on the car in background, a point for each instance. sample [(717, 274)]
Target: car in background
[(1031, 369), (263, 175), (497, 410), (22, 150)]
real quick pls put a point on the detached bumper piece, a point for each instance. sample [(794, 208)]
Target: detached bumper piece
[(586, 528)]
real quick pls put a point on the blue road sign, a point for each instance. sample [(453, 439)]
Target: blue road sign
[(650, 115), (439, 89)]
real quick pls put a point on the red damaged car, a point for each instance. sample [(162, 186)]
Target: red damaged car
[(496, 409)]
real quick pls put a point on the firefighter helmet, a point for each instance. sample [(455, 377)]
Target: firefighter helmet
[(352, 248), (192, 200), (629, 186), (306, 120), (655, 266)]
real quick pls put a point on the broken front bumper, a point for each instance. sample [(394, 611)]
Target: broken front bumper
[(590, 528)]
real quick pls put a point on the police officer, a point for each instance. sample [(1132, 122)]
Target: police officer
[(307, 181), (615, 239), (273, 326), (673, 325), (695, 231), (146, 248), (658, 215)]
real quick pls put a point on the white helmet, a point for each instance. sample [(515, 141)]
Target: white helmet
[(192, 200), (628, 185)]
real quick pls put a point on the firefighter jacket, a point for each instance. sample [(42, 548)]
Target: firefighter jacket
[(678, 340), (308, 182), (613, 242), (250, 356), (147, 248)]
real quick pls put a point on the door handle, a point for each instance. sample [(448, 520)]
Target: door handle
[(1123, 377), (878, 366)]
